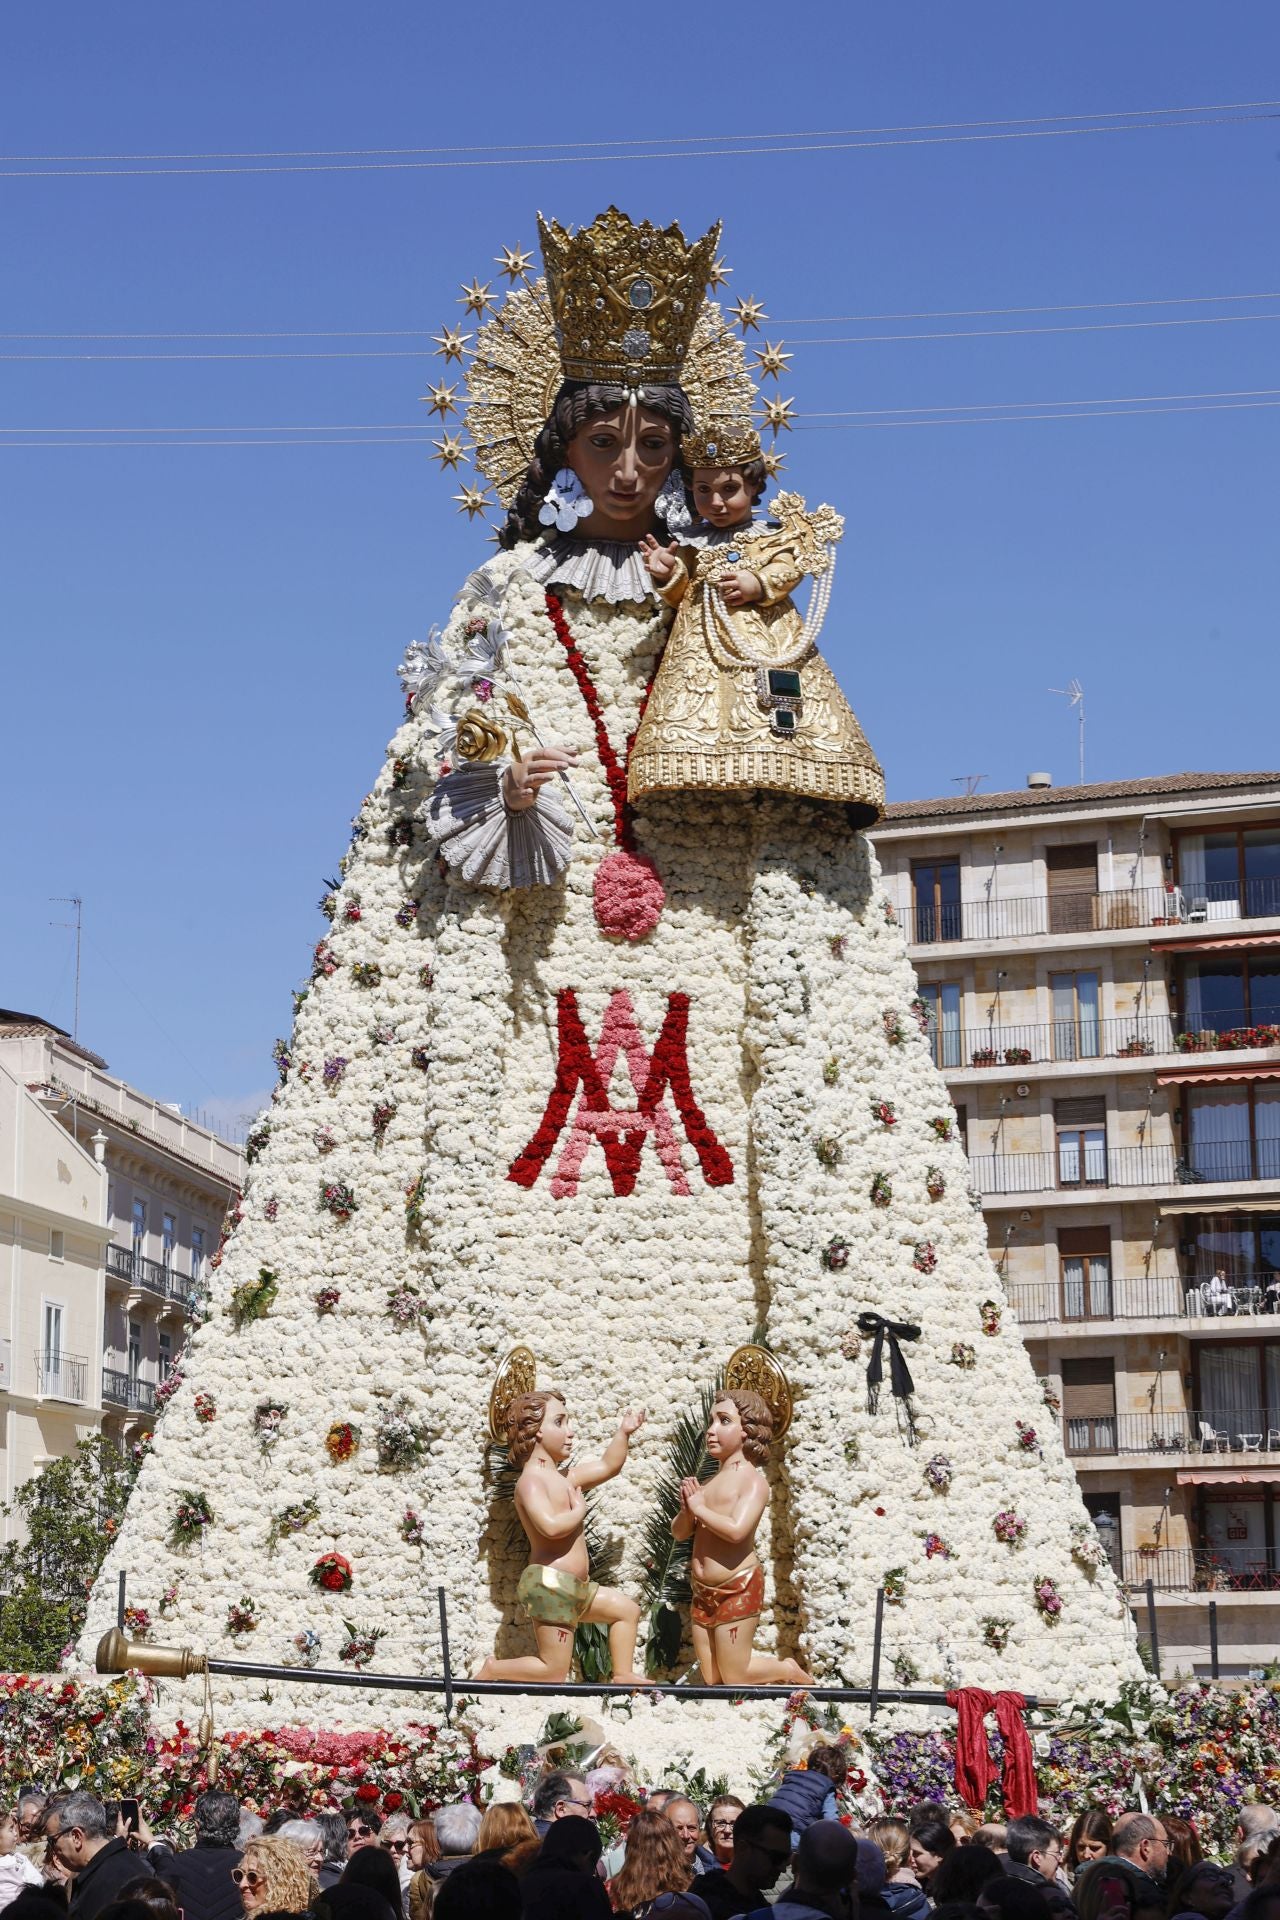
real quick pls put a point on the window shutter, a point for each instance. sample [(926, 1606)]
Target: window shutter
[(1084, 1242), (1091, 1111), (1088, 1388)]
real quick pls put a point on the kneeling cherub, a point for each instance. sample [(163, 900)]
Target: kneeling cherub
[(555, 1589), (722, 1517)]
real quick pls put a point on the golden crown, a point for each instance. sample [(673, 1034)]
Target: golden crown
[(626, 298), (729, 442)]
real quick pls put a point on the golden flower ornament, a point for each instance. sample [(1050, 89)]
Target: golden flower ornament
[(478, 739)]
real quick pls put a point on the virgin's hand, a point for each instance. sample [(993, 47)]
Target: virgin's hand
[(528, 772)]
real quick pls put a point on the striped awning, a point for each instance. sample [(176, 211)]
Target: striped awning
[(1218, 943), (1230, 1476), (1213, 1073), (1231, 1203)]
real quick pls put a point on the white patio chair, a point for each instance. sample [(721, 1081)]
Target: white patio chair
[(1213, 1441)]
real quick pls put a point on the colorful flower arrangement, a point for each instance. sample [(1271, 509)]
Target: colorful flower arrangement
[(1052, 1400), (838, 944), (360, 1645), (992, 1315), (925, 1257), (351, 910), (1087, 1547), (1009, 1527), (829, 1151), (400, 1440), (169, 1386), (835, 1255), (1028, 1438), (894, 1031), (420, 1058), (942, 1126), (936, 1548), (282, 1058), (1017, 1056), (307, 1645), (268, 1418), (962, 1355), (852, 1450), (939, 1473), (383, 1114), (995, 1632), (935, 1183), (332, 1573), (242, 1617), (366, 973), (905, 1670), (327, 1299), (407, 913), (414, 1198), (190, 1518), (851, 1343), (335, 1066), (342, 1440), (413, 1528), (256, 1140), (1048, 1600), (271, 1207), (404, 1304), (290, 1520), (884, 1113), (337, 1198), (205, 1408), (254, 1298), (382, 1034), (894, 1583), (324, 1138), (881, 1190), (137, 1622), (426, 977), (324, 961)]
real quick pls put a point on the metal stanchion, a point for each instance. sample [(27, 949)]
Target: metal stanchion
[(1153, 1632), (874, 1702)]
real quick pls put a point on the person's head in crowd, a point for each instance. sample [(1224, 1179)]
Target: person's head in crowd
[(1002, 1898), (508, 1832), (272, 1877), (1255, 1818), (573, 1845), (658, 1800), (333, 1831), (1251, 1855), (350, 1900), (963, 1826), (992, 1834), (394, 1838), (1090, 1838), (119, 1909), (277, 1818), (687, 1821), (216, 1818), (656, 1861), (893, 1837), (363, 1829), (963, 1873), (872, 1872), (76, 1829), (1141, 1838), (1266, 1867), (761, 1847), (1184, 1842), (831, 1761), (160, 1899), (1035, 1843), (563, 1795), (826, 1870), (249, 1826), (307, 1838), (926, 1813), (457, 1829), (721, 1815), (479, 1890), (30, 1812), (1262, 1904), (931, 1840), (424, 1844), (1204, 1888), (38, 1903), (10, 1832), (373, 1867)]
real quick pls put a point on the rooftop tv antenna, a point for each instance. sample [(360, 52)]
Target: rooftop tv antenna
[(970, 782), (72, 900), (1074, 692)]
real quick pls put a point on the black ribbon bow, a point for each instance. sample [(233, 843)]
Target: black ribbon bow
[(901, 1384)]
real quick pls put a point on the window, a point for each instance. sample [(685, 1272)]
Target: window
[(57, 1244), (936, 892), (1104, 1511), (1223, 875), (1072, 875), (1081, 1127), (139, 1222), (1245, 1246), (945, 1037), (1233, 1132), (1084, 1258), (962, 1126), (1220, 994), (166, 1355), (1089, 1404), (1231, 1389), (168, 1239), (1075, 1015), (52, 1333), (197, 1252), (135, 1348)]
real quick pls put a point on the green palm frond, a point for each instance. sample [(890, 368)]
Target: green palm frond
[(664, 1582)]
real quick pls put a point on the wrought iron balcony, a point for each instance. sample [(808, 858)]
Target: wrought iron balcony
[(1204, 1569), (1127, 1037), (1027, 915), (1093, 1299), (1202, 1431), (1072, 1167), (61, 1376), (125, 1390), (150, 1276)]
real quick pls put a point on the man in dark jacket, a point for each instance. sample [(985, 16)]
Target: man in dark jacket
[(76, 1829), (761, 1849), (202, 1873), (1035, 1853)]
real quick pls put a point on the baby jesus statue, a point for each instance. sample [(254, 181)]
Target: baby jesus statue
[(722, 1517), (555, 1589)]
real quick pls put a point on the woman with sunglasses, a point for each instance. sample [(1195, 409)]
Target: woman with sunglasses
[(273, 1878)]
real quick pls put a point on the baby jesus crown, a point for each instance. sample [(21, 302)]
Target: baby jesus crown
[(626, 298), (729, 441)]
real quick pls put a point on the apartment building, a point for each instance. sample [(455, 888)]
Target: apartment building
[(1102, 970), (160, 1190)]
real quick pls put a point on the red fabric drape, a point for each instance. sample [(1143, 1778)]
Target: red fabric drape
[(975, 1769)]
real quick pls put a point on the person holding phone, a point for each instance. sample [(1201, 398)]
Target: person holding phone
[(101, 1861)]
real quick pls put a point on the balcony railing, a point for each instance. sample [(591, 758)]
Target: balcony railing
[(1127, 1037), (61, 1376), (1204, 1569), (1093, 1299), (153, 1276), (1072, 1168), (124, 1390), (1200, 1431), (1027, 915)]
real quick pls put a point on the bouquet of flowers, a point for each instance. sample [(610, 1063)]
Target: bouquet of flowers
[(400, 1441), (360, 1644), (342, 1440), (332, 1572), (1010, 1527), (268, 1418), (242, 1616), (191, 1516), (337, 1198), (939, 1473), (327, 1299), (254, 1298)]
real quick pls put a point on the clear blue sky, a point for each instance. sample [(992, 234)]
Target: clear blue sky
[(200, 642)]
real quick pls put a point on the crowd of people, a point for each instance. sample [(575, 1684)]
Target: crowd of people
[(70, 1856)]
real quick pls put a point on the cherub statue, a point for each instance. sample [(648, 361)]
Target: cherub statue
[(722, 1517), (555, 1588)]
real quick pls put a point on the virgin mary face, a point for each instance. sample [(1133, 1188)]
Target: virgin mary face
[(622, 459)]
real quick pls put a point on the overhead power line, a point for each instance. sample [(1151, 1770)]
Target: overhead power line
[(671, 147)]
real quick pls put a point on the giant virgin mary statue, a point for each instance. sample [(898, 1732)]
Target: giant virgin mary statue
[(628, 1082)]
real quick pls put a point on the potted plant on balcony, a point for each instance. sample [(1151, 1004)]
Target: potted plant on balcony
[(1135, 1049), (983, 1057), (1202, 1041), (1148, 1549), (1017, 1056)]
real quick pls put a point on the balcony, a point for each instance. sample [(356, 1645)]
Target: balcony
[(1098, 1301), (1204, 1570), (1028, 915), (1239, 1436), (61, 1376), (1072, 1170), (134, 1270), (1071, 1042), (124, 1390)]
